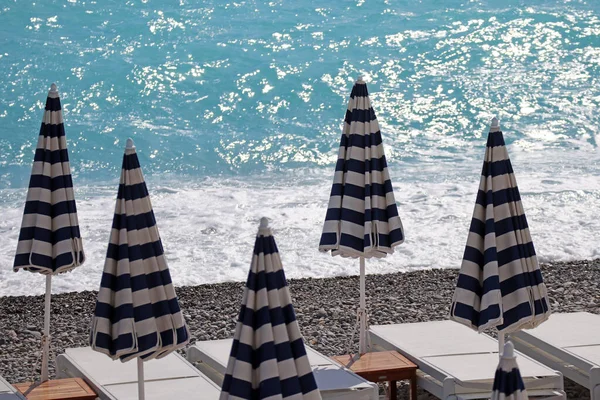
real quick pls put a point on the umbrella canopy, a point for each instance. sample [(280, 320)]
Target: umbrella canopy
[(362, 218), (50, 241), (137, 313), (508, 384), (500, 283), (268, 358)]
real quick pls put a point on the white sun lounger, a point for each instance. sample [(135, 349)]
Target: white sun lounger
[(568, 342), (333, 380), (8, 391), (456, 362), (171, 377)]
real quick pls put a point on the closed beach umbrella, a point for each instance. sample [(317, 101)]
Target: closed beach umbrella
[(49, 240), (508, 384), (268, 358), (137, 314), (500, 283), (362, 218)]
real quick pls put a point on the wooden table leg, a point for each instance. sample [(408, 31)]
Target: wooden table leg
[(413, 387), (393, 390)]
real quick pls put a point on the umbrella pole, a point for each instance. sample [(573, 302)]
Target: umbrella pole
[(140, 368), (500, 343), (362, 342), (46, 336)]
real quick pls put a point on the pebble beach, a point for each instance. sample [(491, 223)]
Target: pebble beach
[(325, 309)]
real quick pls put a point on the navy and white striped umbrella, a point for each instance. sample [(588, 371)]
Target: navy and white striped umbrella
[(137, 312), (49, 240), (508, 384), (500, 283), (362, 218), (268, 358)]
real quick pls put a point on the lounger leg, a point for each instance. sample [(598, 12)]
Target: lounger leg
[(448, 389), (595, 383), (595, 392), (393, 390)]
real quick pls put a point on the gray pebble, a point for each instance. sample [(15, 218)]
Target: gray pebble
[(35, 334), (325, 310)]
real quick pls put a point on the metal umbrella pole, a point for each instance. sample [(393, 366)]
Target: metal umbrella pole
[(362, 339), (46, 335), (140, 370)]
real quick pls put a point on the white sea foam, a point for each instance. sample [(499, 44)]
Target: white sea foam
[(208, 228)]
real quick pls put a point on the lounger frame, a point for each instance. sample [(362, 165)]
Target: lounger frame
[(211, 365), (573, 366), (180, 373), (441, 384), (8, 391)]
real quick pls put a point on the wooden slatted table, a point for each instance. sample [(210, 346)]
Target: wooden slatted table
[(382, 366), (59, 389)]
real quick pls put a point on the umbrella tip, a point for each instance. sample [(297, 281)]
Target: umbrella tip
[(495, 123), (264, 223), (359, 79), (53, 87), (509, 350), (129, 144)]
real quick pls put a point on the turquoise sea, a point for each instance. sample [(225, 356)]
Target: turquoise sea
[(236, 111)]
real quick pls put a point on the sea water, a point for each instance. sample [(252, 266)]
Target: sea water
[(236, 109)]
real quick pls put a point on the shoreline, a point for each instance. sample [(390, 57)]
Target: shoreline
[(325, 308), (435, 204)]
